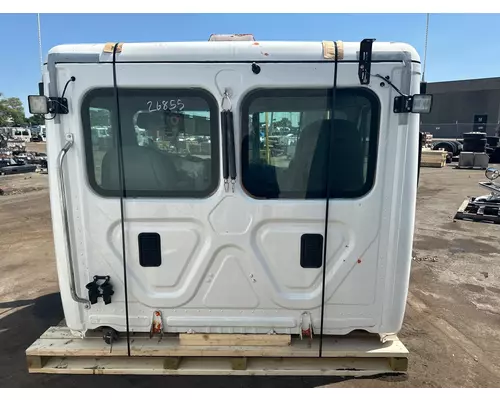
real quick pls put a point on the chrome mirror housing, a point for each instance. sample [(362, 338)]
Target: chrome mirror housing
[(492, 173)]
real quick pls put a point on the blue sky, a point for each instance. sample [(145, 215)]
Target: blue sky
[(461, 46)]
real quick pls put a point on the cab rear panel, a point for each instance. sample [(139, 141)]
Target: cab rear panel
[(243, 256)]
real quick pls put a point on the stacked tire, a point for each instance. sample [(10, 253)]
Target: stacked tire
[(492, 141), (450, 146), (474, 142), (492, 148)]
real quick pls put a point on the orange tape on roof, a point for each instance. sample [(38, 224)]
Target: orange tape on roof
[(109, 47), (329, 50)]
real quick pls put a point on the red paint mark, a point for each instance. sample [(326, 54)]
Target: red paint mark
[(359, 261), (256, 43)]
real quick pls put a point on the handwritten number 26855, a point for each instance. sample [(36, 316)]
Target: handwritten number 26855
[(165, 105)]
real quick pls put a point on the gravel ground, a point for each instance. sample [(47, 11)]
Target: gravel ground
[(452, 322)]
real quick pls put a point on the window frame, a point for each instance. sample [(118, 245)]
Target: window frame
[(373, 137), (153, 92)]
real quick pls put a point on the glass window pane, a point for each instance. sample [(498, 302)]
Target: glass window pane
[(286, 136), (169, 140)]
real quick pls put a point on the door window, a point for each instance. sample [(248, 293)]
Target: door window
[(286, 134), (169, 140)]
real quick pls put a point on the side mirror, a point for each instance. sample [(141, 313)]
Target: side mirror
[(492, 173), (44, 105), (422, 104), (38, 104), (417, 104)]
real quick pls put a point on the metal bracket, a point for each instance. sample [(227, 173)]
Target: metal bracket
[(58, 105), (365, 61), (403, 104), (305, 329), (156, 325)]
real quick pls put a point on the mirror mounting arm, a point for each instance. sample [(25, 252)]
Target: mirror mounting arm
[(58, 105)]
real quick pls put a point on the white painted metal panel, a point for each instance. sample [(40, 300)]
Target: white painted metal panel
[(229, 261)]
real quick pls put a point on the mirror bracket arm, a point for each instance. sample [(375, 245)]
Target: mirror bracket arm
[(58, 105)]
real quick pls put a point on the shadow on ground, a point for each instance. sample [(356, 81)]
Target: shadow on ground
[(21, 328)]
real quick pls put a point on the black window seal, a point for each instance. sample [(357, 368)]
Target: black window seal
[(214, 142), (369, 94)]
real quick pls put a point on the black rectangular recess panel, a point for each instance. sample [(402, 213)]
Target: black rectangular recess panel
[(149, 249), (311, 250)]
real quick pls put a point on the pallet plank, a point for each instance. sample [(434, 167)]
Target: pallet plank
[(464, 205), (427, 164), (35, 362), (332, 347), (218, 366), (239, 363), (171, 362), (399, 363), (211, 339)]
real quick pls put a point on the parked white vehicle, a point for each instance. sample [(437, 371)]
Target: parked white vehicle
[(43, 133), (232, 239), (23, 134)]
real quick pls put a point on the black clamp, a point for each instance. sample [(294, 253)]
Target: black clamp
[(58, 105), (403, 104), (104, 290), (365, 61), (93, 289)]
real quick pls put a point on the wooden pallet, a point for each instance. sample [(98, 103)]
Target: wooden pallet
[(433, 158), (440, 164), (467, 213), (58, 352)]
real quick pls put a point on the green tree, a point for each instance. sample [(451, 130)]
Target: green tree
[(11, 111), (36, 119)]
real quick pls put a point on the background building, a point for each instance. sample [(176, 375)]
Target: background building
[(458, 103)]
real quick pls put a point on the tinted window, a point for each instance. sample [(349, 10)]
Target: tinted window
[(286, 134), (169, 140)]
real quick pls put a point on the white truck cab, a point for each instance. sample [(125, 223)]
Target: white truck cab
[(238, 186)]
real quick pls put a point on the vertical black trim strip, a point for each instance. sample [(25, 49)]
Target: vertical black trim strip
[(328, 193), (121, 173), (231, 155), (420, 142), (225, 168)]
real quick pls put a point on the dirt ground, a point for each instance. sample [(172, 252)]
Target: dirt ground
[(39, 147), (451, 328)]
